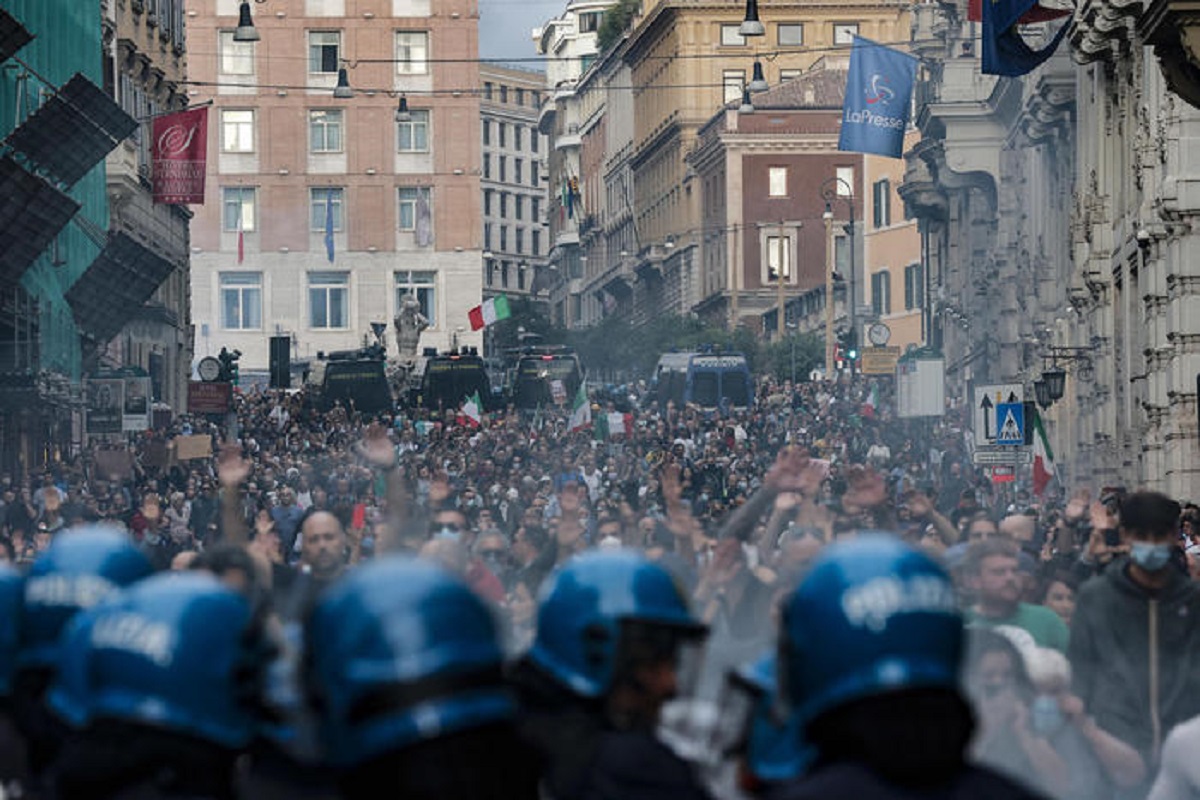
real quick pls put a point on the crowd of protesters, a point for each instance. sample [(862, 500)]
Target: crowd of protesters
[(1085, 655)]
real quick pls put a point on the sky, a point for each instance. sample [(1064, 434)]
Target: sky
[(505, 25)]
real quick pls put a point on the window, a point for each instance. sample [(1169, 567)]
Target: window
[(535, 242), (329, 300), (518, 206), (238, 204), (730, 36), (502, 130), (410, 206), (413, 136), (521, 269), (533, 139), (914, 287), (237, 131), (503, 205), (733, 80), (845, 181), (777, 180), (779, 258), (844, 32), (321, 200), (789, 74), (881, 292), (487, 236), (487, 201), (535, 208), (241, 301), (533, 177), (323, 51), (487, 132), (503, 93), (517, 164), (503, 237), (790, 34), (517, 137), (519, 240), (503, 168), (520, 96), (882, 192), (325, 131), (421, 285), (503, 274), (487, 90), (237, 58), (487, 165), (412, 52), (589, 22)]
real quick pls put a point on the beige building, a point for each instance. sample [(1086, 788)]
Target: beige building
[(894, 282), (401, 192), (679, 86), (514, 188)]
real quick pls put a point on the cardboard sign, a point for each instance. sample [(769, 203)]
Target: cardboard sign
[(189, 447), (111, 463)]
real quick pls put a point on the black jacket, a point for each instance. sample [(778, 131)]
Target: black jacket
[(583, 758), (850, 780), (1135, 656)]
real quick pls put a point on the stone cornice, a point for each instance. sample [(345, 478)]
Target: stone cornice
[(1102, 28)]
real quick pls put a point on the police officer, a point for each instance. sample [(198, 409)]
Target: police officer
[(610, 633), (13, 766), (404, 666), (870, 652), (162, 684), (770, 750), (78, 570)]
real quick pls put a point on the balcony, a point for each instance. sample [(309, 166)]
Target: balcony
[(568, 139)]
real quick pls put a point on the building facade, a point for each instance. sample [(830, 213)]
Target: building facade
[(893, 287), (1056, 216), (663, 71), (145, 66), (339, 206), (764, 178), (515, 239)]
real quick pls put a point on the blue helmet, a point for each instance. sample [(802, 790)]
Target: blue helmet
[(873, 616), (583, 605), (177, 651), (11, 589), (79, 569), (401, 651), (774, 750)]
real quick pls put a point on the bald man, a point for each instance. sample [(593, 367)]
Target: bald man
[(322, 547)]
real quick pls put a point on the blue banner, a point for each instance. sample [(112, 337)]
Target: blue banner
[(878, 100), (1004, 51)]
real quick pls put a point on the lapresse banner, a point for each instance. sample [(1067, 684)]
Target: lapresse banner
[(878, 99)]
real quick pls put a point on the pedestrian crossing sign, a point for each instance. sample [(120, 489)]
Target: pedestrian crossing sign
[(1010, 424)]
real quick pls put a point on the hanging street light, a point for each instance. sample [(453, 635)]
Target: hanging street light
[(757, 82), (402, 113), (246, 32), (746, 107), (1056, 382), (343, 91), (750, 25)]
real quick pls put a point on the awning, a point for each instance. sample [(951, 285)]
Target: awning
[(116, 286), (32, 212)]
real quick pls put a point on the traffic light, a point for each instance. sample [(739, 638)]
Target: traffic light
[(229, 365), (848, 343)]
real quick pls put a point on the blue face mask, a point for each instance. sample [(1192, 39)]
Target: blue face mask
[(1150, 557), (1045, 716)]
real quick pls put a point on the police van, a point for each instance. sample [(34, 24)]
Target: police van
[(708, 380)]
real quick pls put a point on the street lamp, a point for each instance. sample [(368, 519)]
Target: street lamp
[(1042, 392), (836, 188), (792, 326), (828, 217), (246, 32), (1055, 379)]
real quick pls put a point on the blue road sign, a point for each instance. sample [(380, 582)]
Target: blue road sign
[(1010, 423)]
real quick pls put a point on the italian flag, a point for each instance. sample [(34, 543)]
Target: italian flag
[(493, 309), (472, 411), (613, 424), (581, 410), (1043, 457)]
